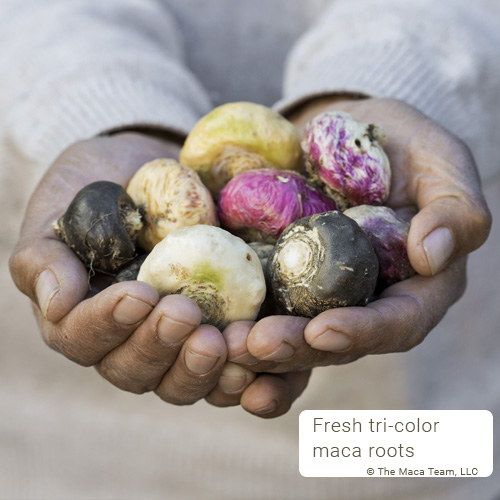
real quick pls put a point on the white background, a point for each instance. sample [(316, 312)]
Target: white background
[(461, 444)]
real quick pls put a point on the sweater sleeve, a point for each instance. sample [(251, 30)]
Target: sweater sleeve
[(441, 57), (71, 69)]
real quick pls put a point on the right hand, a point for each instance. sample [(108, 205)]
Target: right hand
[(136, 341)]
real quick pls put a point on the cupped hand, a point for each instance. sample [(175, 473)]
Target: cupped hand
[(135, 340), (434, 180), (436, 184)]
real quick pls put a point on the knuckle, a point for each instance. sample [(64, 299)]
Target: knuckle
[(221, 400), (121, 380), (482, 222), (50, 338), (462, 148), (180, 389), (174, 398), (474, 221), (144, 356), (51, 335), (354, 354), (62, 342), (78, 358), (412, 341), (458, 152), (134, 389), (394, 341), (19, 261)]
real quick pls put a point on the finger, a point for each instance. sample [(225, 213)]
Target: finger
[(197, 368), (453, 217), (41, 265), (139, 364), (235, 336), (97, 325), (50, 274), (232, 383), (397, 322), (279, 342), (271, 396)]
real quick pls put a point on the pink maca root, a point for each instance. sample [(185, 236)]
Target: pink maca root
[(259, 204), (388, 234), (347, 157)]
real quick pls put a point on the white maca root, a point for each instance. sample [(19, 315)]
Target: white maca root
[(219, 271), (170, 196)]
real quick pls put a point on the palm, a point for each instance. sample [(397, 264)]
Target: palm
[(108, 158)]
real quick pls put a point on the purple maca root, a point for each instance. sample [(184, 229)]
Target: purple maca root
[(388, 234), (258, 205), (347, 157)]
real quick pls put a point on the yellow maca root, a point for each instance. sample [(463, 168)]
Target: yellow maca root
[(237, 137)]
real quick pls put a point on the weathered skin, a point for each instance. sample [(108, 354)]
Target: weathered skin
[(259, 204), (169, 196), (321, 262), (240, 136), (101, 226), (388, 235), (347, 157)]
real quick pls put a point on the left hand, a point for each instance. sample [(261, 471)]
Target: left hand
[(397, 321), (435, 181), (283, 350)]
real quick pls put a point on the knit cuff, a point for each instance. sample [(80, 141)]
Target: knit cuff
[(434, 63), (83, 104), (391, 68)]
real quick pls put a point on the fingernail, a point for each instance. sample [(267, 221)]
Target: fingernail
[(332, 341), (244, 359), (233, 379), (284, 351), (130, 310), (267, 409), (438, 246), (172, 332), (199, 363), (46, 288)]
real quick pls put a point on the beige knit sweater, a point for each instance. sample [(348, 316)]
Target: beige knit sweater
[(71, 69)]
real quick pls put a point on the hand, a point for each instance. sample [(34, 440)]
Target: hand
[(265, 395), (436, 181), (136, 341)]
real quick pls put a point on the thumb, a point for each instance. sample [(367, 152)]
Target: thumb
[(42, 266), (50, 274), (453, 218)]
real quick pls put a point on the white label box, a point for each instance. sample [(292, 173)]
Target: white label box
[(396, 443)]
